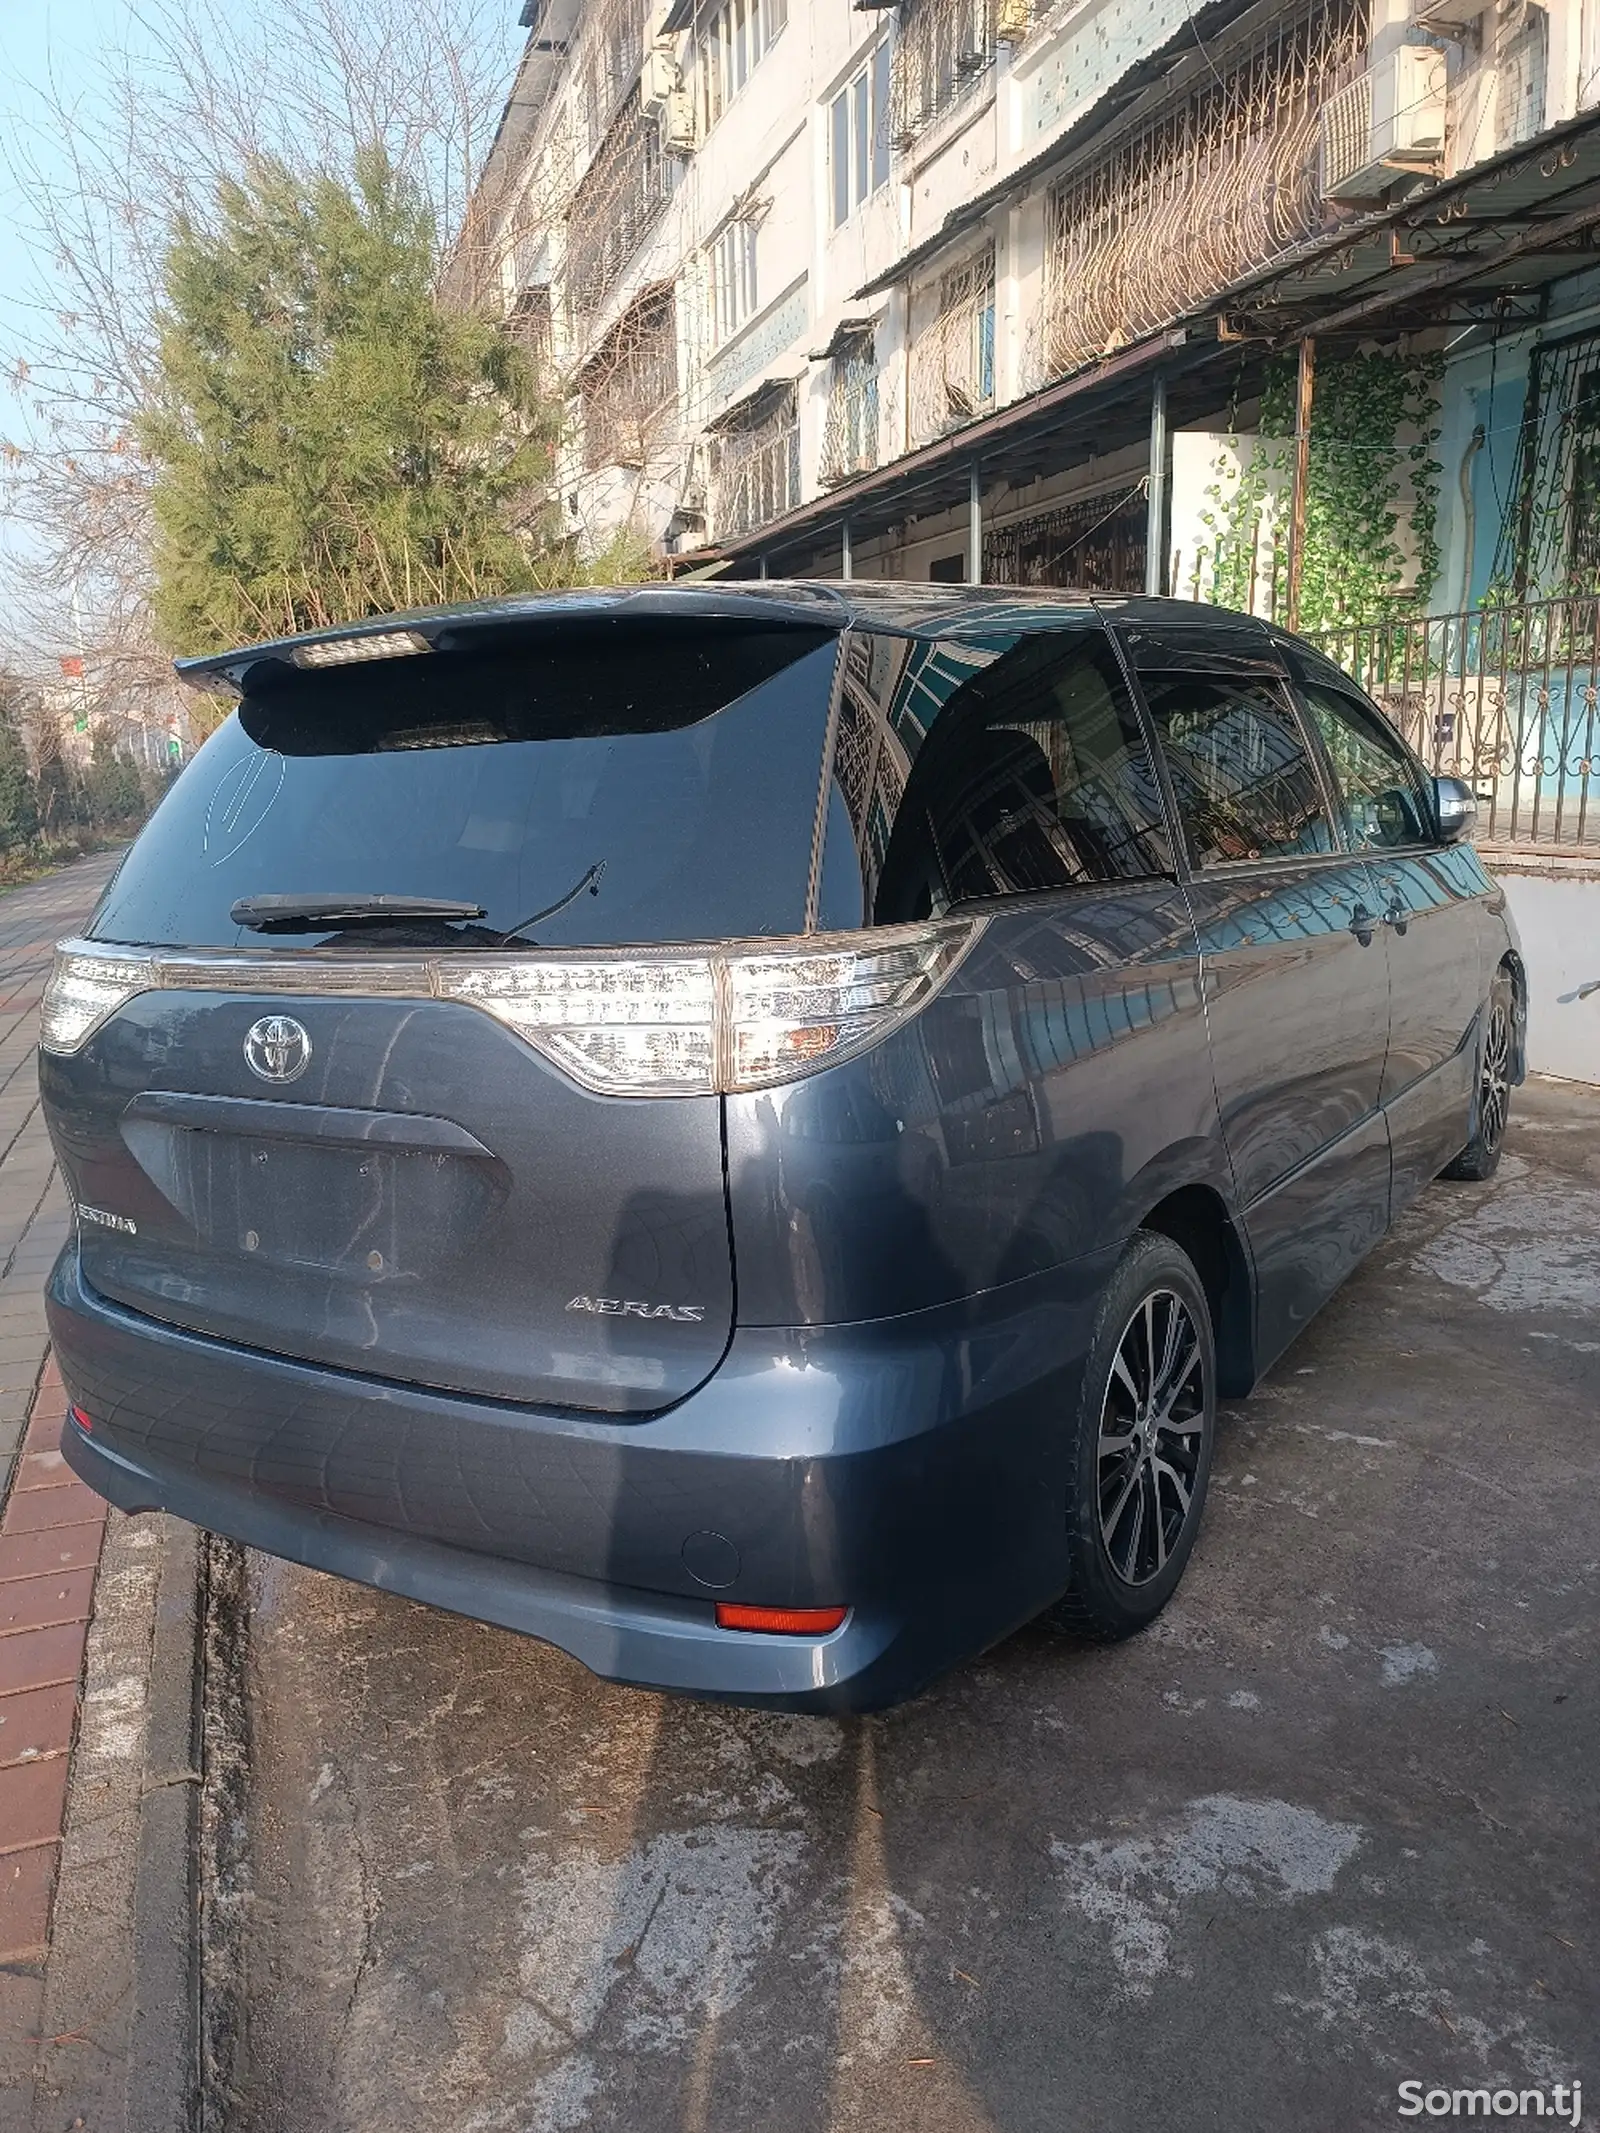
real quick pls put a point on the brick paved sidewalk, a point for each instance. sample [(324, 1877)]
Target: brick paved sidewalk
[(51, 1526)]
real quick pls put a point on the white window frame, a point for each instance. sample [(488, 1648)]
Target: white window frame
[(858, 137), (732, 286), (732, 45)]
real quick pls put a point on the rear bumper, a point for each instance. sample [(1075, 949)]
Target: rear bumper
[(911, 1468)]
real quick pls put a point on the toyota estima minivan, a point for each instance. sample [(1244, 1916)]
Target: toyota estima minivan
[(743, 1131)]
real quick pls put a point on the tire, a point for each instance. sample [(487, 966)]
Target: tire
[(1491, 1099), (1126, 1560)]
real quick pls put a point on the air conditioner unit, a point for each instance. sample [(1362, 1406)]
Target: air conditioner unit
[(677, 124), (1388, 121), (1449, 17), (661, 79)]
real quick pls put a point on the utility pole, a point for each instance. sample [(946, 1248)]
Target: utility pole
[(1155, 523), (1302, 468)]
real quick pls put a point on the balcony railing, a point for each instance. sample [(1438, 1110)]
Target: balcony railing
[(1225, 180), (942, 46), (755, 469), (624, 190), (1504, 697), (850, 433), (952, 356)]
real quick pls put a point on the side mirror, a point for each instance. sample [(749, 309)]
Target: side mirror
[(1455, 807)]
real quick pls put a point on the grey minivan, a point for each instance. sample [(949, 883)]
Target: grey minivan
[(743, 1131)]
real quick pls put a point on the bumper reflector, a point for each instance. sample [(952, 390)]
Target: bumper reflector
[(82, 1420), (781, 1621)]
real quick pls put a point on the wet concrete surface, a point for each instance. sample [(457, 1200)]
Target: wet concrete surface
[(1328, 1827)]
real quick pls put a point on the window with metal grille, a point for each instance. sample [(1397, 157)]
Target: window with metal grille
[(850, 433), (1223, 179), (1549, 540), (628, 390), (942, 46), (952, 356), (755, 463), (624, 189)]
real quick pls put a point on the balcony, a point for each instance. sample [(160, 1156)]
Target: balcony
[(952, 353), (755, 463), (1225, 181), (850, 432), (942, 47), (623, 193)]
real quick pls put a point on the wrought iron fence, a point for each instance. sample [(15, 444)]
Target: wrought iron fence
[(1506, 697)]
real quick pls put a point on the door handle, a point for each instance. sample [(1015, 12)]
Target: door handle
[(1361, 925), (1397, 916)]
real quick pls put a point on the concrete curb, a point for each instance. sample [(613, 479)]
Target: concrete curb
[(163, 2047)]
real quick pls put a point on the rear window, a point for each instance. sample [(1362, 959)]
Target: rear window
[(675, 765)]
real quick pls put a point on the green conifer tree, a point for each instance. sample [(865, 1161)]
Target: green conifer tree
[(19, 803), (330, 441)]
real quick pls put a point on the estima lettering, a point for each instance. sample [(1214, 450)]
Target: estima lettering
[(103, 1219), (621, 1307)]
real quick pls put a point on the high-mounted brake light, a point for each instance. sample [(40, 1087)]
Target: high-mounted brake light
[(781, 1621), (345, 651)]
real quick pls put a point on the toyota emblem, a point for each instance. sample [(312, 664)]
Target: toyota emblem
[(277, 1048)]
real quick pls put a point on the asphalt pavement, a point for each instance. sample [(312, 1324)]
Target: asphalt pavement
[(1327, 1828)]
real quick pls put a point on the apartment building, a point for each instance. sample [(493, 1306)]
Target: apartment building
[(955, 288)]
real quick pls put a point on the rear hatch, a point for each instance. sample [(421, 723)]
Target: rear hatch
[(304, 1131)]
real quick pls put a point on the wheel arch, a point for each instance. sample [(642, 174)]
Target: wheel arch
[(1512, 964), (1199, 1221)]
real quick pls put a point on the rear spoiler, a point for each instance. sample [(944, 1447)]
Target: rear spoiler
[(477, 624)]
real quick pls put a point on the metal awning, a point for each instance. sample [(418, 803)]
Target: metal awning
[(761, 395)]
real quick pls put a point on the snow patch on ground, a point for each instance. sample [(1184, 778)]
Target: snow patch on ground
[(1529, 1248), (1359, 1979), (1407, 1662), (653, 1944), (1249, 1851)]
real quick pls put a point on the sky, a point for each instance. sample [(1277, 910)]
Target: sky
[(64, 40), (37, 36)]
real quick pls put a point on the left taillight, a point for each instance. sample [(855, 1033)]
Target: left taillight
[(85, 990)]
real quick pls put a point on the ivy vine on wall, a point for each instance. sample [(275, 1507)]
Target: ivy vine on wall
[(1372, 494)]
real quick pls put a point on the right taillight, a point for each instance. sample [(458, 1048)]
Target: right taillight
[(682, 1023)]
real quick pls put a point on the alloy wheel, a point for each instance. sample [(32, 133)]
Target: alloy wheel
[(1494, 1097), (1152, 1427)]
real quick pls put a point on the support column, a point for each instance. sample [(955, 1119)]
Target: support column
[(761, 565), (847, 551), (1304, 386), (1155, 519), (975, 525)]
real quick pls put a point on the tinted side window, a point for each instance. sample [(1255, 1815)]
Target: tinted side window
[(1014, 770), (1380, 793), (1245, 783)]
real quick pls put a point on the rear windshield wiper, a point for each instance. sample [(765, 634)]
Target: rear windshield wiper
[(314, 914)]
